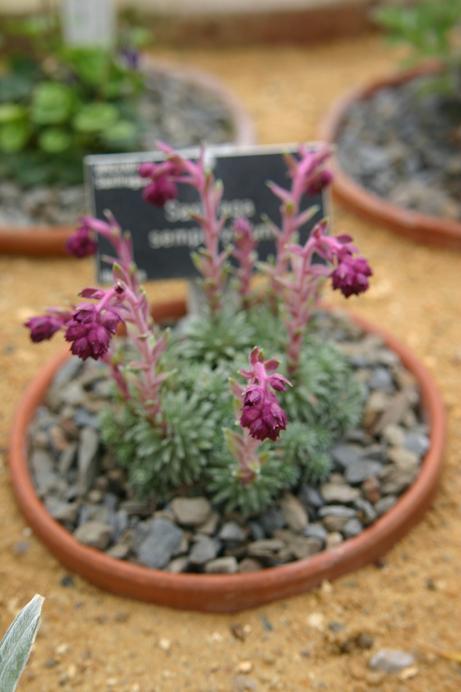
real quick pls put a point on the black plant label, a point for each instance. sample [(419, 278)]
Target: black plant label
[(163, 238)]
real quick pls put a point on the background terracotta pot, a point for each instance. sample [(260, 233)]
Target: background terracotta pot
[(426, 229), (228, 593), (51, 241)]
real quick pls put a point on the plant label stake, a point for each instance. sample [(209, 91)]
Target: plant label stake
[(163, 238), (88, 22)]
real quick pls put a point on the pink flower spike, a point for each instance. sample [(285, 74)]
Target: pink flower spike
[(261, 412), (96, 293), (82, 243), (245, 254), (279, 192), (279, 382), (146, 170), (159, 191), (351, 275), (90, 330), (43, 327)]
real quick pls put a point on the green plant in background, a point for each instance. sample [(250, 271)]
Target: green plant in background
[(16, 645), (428, 28), (60, 102)]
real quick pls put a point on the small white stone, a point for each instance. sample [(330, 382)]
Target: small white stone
[(316, 620), (165, 644)]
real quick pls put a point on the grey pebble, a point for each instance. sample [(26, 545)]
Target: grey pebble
[(162, 540), (352, 528), (384, 504), (336, 493), (222, 565), (391, 660), (204, 550), (191, 511), (232, 532), (294, 514), (358, 471), (87, 460), (94, 534)]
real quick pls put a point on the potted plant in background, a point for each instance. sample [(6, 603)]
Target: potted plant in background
[(218, 478), (59, 102), (398, 139)]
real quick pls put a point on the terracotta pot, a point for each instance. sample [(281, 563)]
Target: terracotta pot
[(51, 240), (228, 593), (426, 229)]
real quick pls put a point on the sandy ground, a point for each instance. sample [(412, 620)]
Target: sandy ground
[(93, 641)]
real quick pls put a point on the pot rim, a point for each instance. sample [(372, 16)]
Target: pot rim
[(430, 230), (49, 241), (229, 593)]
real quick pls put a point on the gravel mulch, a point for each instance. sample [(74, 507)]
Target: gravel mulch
[(403, 143), (84, 489)]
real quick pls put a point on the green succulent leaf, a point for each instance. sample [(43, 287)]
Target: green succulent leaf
[(14, 136), (95, 118), (10, 112), (52, 103), (55, 141), (91, 65), (122, 133)]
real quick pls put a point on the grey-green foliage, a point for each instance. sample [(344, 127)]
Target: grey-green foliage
[(214, 341), (163, 460), (428, 29), (324, 392), (275, 474), (197, 404), (307, 447), (16, 645)]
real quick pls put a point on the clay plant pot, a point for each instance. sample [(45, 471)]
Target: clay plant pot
[(426, 229), (46, 241), (228, 593)]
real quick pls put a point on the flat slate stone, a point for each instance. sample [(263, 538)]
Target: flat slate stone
[(231, 532), (222, 565), (94, 534), (358, 471), (271, 520), (42, 469), (204, 550), (87, 459), (191, 511), (332, 492), (162, 541), (345, 454), (294, 513)]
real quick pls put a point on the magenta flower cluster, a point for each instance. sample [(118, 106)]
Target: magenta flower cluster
[(261, 411), (91, 329), (43, 327), (162, 185), (351, 274)]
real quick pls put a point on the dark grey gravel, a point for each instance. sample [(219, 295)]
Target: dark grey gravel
[(402, 143)]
